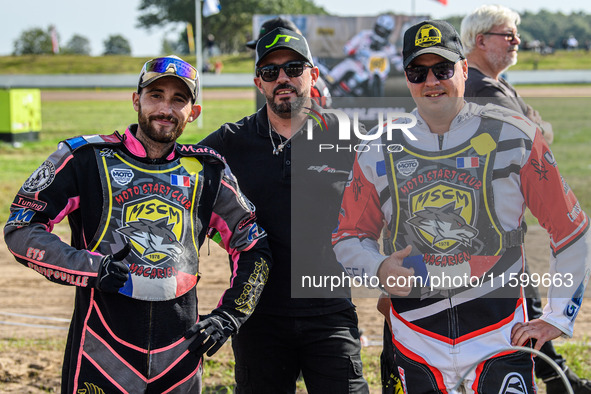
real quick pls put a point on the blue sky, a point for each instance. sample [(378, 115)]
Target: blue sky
[(97, 20)]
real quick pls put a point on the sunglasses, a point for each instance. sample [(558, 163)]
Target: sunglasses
[(293, 69), (508, 36), (181, 68), (442, 71)]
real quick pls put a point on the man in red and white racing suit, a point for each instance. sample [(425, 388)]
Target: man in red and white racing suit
[(139, 206), (452, 186)]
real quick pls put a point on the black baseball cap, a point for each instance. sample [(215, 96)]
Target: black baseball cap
[(436, 37), (282, 38), (270, 25)]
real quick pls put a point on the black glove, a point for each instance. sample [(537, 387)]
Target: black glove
[(112, 273), (216, 327)]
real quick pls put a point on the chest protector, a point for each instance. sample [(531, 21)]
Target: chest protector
[(443, 206), (153, 207)]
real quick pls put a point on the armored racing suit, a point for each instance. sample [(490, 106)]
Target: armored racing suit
[(112, 194), (459, 200)]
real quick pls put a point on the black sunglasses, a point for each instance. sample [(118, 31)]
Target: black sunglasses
[(442, 71), (293, 69)]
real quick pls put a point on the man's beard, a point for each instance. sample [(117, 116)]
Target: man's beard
[(502, 61), (145, 123), (286, 108)]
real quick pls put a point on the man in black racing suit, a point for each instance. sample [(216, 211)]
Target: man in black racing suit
[(139, 206)]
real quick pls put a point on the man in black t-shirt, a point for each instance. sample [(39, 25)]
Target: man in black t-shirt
[(297, 191)]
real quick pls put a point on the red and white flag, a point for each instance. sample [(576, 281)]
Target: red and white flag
[(55, 46)]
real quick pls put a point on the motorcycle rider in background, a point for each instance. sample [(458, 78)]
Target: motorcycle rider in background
[(369, 57)]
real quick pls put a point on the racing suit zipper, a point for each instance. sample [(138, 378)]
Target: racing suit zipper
[(149, 345), (453, 327), (440, 137)]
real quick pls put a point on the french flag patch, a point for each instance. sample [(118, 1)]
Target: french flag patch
[(467, 162), (180, 180)]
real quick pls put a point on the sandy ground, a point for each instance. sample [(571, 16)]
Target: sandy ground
[(34, 308)]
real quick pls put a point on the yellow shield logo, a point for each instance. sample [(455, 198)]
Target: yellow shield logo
[(428, 35), (155, 227), (443, 216)]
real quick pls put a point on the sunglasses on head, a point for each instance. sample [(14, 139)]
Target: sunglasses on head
[(292, 69), (182, 68), (442, 71)]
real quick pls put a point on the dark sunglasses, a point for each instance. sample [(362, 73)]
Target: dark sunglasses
[(442, 71), (293, 69), (508, 36)]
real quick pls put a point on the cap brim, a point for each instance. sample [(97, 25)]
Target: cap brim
[(252, 44), (289, 48), (191, 85), (443, 52)]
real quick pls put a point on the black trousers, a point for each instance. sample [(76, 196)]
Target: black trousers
[(272, 351)]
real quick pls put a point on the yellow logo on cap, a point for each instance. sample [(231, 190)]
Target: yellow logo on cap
[(428, 35), (286, 38)]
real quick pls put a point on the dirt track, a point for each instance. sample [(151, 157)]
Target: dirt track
[(29, 300), (76, 95)]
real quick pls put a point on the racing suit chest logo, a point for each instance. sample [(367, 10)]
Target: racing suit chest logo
[(443, 215), (154, 226)]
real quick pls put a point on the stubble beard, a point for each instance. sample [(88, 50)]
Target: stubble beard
[(286, 108), (502, 61), (146, 125)]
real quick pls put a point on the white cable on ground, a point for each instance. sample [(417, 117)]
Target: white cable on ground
[(35, 316), (52, 327)]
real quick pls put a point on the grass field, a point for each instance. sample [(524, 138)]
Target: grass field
[(241, 63)]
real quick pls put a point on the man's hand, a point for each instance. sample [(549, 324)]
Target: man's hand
[(112, 273), (392, 274), (536, 329), (211, 333), (546, 127)]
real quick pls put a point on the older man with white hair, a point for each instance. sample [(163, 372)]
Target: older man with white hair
[(490, 39)]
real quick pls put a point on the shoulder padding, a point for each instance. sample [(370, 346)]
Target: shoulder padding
[(76, 143), (514, 118), (200, 151)]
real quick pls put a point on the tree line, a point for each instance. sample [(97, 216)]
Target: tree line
[(550, 29), (38, 41), (232, 27)]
